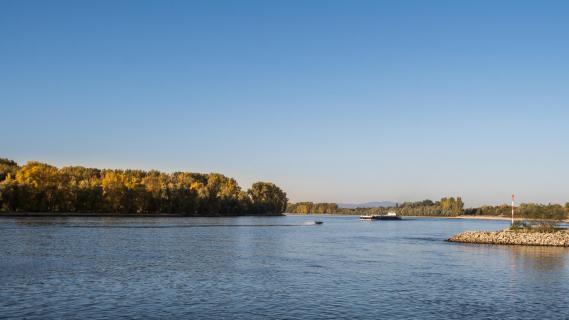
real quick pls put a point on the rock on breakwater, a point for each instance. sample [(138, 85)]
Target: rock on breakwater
[(558, 238)]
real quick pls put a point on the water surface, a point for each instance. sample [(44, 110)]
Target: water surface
[(272, 268)]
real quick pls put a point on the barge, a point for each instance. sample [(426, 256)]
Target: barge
[(388, 216)]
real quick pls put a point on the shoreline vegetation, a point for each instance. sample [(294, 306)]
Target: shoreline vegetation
[(446, 207), (534, 224), (39, 189)]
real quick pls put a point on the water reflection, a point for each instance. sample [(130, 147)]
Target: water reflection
[(542, 259), (141, 222), (538, 258), (239, 268), (38, 221)]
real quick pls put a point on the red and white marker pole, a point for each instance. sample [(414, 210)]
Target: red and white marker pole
[(513, 199)]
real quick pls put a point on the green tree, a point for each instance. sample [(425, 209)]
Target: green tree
[(267, 198), (40, 187), (41, 181), (7, 168)]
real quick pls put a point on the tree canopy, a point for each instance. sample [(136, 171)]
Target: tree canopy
[(445, 207), (40, 187), (535, 211), (267, 197)]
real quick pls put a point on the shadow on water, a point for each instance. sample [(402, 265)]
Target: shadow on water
[(420, 239), (55, 221), (538, 258), (106, 223), (189, 226)]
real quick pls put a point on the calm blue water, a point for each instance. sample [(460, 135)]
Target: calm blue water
[(272, 268)]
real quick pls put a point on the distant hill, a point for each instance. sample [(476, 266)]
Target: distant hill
[(373, 204)]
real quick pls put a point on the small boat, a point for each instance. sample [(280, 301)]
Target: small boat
[(388, 216), (318, 222)]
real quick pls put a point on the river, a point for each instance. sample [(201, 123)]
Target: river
[(272, 268)]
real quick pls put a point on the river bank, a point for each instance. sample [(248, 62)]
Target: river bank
[(468, 217), (558, 238)]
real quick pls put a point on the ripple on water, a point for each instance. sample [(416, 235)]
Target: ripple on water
[(174, 268)]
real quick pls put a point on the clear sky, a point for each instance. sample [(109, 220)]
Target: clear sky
[(344, 101)]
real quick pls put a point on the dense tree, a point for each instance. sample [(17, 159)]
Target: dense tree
[(310, 207), (444, 207), (525, 210), (267, 197), (10, 198), (41, 181), (41, 187), (7, 167)]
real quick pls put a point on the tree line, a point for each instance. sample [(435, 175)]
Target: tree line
[(444, 207), (534, 211), (40, 187), (310, 207)]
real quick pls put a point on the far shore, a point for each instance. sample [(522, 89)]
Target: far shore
[(468, 217), (474, 217), (175, 215), (499, 218), (445, 217)]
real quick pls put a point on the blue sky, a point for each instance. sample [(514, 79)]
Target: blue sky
[(344, 101)]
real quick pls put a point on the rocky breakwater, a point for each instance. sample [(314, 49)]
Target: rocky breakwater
[(529, 238)]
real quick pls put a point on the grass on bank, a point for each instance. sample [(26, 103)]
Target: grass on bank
[(538, 226)]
